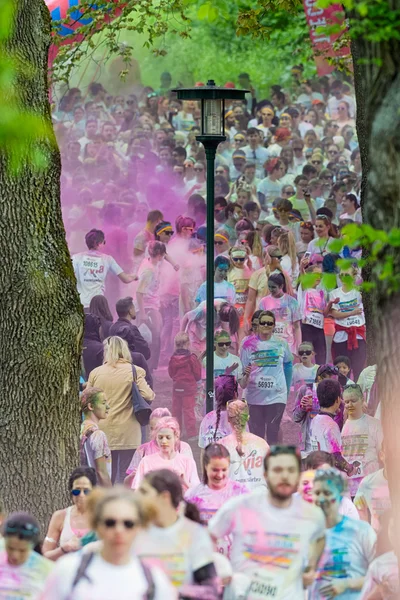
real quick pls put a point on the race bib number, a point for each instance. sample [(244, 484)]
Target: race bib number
[(353, 322), (265, 383), (315, 319), (241, 298), (359, 469), (279, 329), (265, 586)]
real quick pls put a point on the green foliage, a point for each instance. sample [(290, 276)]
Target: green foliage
[(23, 134)]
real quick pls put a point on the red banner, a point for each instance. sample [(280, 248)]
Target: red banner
[(323, 42)]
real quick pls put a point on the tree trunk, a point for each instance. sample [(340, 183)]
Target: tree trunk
[(40, 314), (378, 125)]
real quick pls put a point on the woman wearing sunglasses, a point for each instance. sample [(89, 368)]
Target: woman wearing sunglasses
[(111, 570), (69, 525), (270, 378), (23, 571)]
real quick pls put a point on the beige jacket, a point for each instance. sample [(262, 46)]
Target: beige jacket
[(121, 427)]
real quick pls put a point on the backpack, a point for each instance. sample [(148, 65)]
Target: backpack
[(87, 559), (82, 452)]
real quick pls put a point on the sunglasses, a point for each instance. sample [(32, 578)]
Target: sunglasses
[(169, 232), (79, 492), (333, 152), (316, 162), (283, 449), (27, 530), (111, 523), (352, 386), (238, 259), (328, 370), (288, 193), (323, 218), (297, 149), (218, 243), (267, 323), (305, 352), (199, 170), (223, 344)]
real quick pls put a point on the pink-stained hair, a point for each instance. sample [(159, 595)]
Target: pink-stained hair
[(168, 423), (159, 413)]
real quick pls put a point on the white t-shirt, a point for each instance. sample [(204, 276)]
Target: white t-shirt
[(348, 301), (270, 189), (349, 548), (373, 494), (91, 269), (107, 581), (207, 428), (220, 364), (179, 550), (312, 304), (362, 440), (320, 246), (270, 541), (303, 375), (209, 501), (267, 383), (249, 468), (383, 569), (96, 446), (347, 509), (325, 434), (149, 284), (222, 289)]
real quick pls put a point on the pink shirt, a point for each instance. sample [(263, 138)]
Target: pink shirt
[(152, 448), (208, 501), (182, 465)]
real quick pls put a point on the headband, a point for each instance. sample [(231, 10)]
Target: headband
[(221, 236), (166, 228)]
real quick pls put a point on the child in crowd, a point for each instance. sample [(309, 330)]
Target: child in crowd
[(305, 372), (343, 365), (307, 406), (185, 371)]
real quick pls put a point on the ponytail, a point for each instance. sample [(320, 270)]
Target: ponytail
[(238, 415), (192, 512)]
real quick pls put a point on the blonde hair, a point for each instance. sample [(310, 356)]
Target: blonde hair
[(181, 339), (287, 245), (115, 349), (238, 415), (99, 497)]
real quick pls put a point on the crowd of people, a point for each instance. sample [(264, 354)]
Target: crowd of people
[(172, 501)]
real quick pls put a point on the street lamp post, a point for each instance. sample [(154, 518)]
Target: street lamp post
[(211, 135)]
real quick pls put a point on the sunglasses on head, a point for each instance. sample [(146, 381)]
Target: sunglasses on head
[(306, 224), (223, 344), (283, 449), (77, 492), (111, 523), (238, 259), (352, 386), (26, 530), (267, 323), (305, 352)]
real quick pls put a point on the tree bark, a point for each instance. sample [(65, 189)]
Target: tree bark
[(378, 125), (41, 319)]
